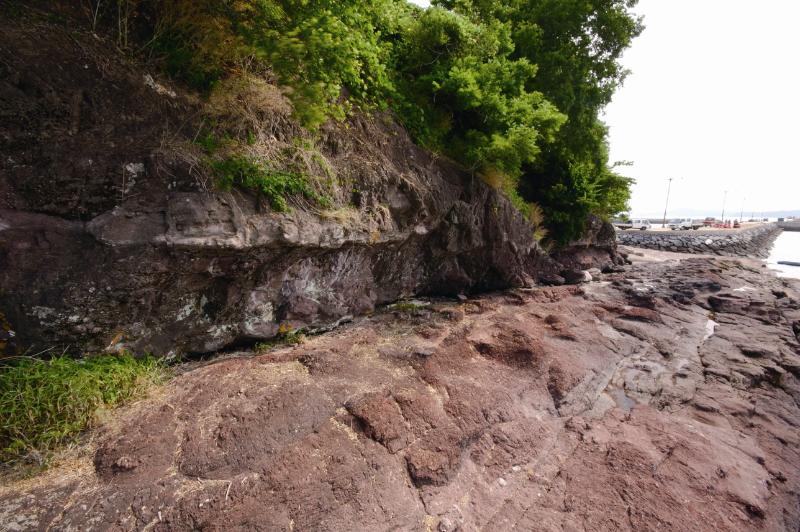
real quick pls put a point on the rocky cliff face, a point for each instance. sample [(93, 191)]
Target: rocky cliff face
[(110, 237), (201, 271), (599, 242)]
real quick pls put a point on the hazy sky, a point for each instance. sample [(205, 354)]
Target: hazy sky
[(713, 100)]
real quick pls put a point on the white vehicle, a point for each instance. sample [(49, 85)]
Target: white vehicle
[(640, 224), (683, 225)]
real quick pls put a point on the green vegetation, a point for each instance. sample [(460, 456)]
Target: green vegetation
[(285, 336), (512, 89), (315, 48), (47, 403), (275, 185), (576, 45)]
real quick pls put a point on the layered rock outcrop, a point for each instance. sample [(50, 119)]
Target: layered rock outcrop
[(200, 271)]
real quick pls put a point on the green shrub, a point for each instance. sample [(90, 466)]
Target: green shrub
[(47, 403), (209, 142), (275, 185), (315, 48)]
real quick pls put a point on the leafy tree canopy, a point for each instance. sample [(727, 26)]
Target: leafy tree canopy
[(576, 45)]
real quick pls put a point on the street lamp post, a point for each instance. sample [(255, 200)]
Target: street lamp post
[(741, 213), (669, 186), (724, 199)]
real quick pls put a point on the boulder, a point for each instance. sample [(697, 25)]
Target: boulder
[(576, 276), (551, 279)]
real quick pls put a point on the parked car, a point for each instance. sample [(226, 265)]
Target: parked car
[(622, 225), (710, 221), (684, 225), (641, 224)]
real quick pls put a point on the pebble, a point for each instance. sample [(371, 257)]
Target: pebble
[(445, 525)]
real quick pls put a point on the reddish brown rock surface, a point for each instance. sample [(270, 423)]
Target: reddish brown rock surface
[(665, 398)]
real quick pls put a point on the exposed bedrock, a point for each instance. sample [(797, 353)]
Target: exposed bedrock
[(599, 242), (664, 398), (750, 242), (199, 271)]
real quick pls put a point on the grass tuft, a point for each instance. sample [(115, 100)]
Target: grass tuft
[(284, 338), (277, 186), (45, 404)]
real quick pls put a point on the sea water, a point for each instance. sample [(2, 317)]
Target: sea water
[(786, 247)]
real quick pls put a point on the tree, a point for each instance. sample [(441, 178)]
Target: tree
[(576, 45), (462, 92)]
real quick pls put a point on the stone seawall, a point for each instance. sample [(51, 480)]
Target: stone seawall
[(749, 242), (793, 225)]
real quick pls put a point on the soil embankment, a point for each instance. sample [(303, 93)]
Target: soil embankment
[(662, 398), (746, 242)]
